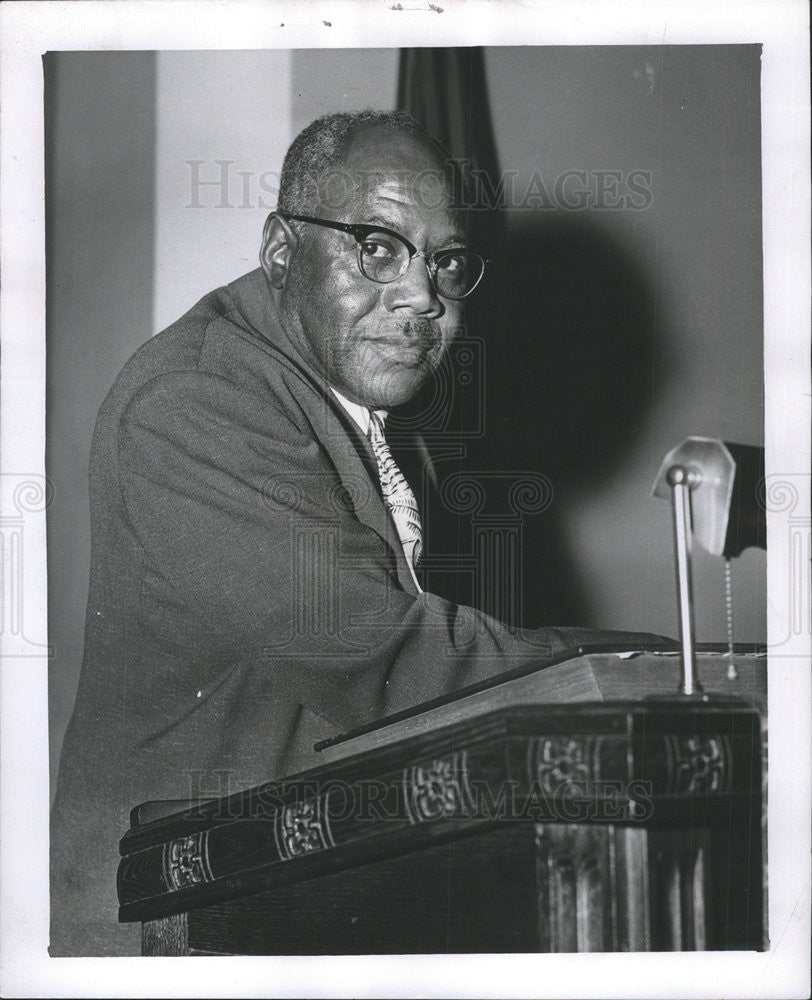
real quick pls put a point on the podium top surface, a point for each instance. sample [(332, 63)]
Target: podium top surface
[(578, 676), (585, 674)]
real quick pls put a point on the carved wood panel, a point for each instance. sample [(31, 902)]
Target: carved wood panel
[(599, 886), (593, 888)]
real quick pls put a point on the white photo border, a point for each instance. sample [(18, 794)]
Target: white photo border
[(28, 30)]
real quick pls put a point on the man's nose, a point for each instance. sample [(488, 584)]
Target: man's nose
[(414, 290)]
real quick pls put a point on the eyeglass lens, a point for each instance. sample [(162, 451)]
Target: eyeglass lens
[(383, 257)]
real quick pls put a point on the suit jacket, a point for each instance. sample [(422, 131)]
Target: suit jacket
[(248, 594)]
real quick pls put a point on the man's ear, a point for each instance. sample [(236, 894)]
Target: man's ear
[(279, 243)]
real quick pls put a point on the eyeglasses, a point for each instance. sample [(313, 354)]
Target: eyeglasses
[(384, 255)]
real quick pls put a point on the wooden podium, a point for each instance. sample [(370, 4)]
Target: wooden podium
[(580, 807)]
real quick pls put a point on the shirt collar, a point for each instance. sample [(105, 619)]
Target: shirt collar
[(359, 414)]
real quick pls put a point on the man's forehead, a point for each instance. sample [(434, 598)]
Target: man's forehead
[(403, 191), (391, 172)]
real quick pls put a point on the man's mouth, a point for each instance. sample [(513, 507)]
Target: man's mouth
[(405, 351), (410, 344)]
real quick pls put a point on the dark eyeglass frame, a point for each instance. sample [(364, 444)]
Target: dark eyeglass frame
[(361, 231)]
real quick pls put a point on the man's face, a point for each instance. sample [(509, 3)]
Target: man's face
[(375, 343)]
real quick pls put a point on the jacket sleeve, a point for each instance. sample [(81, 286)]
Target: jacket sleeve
[(240, 514)]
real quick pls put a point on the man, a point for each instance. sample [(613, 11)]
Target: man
[(255, 581)]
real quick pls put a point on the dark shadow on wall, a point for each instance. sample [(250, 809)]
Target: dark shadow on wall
[(551, 383), (574, 359), (575, 363), (576, 350)]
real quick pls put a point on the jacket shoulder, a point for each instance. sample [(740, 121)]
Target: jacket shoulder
[(217, 340)]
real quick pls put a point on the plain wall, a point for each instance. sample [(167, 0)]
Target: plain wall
[(223, 123), (610, 334), (99, 140)]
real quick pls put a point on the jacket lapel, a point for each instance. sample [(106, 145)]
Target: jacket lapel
[(355, 465), (340, 438)]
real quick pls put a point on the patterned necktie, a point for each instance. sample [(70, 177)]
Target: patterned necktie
[(397, 494)]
